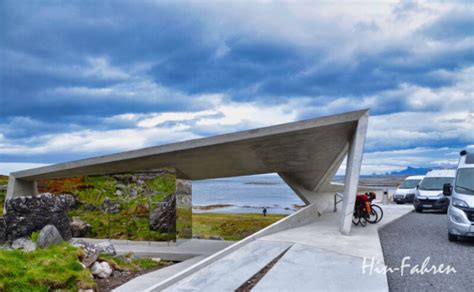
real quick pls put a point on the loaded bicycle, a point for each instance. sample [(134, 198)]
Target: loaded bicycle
[(365, 211)]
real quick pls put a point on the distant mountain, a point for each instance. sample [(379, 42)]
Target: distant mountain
[(411, 171)]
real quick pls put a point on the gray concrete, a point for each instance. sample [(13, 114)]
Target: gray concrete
[(230, 272), (172, 251), (419, 236), (306, 153), (301, 217), (306, 228), (146, 281), (354, 162), (307, 268)]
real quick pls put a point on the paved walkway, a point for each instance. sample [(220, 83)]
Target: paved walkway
[(319, 259), (173, 251)]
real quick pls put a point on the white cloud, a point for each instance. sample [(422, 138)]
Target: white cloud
[(155, 129), (8, 167)]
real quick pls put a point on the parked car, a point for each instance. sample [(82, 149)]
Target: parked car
[(406, 191), (461, 208), (429, 193)]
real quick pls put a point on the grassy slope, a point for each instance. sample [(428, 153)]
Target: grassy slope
[(231, 226), (56, 267)]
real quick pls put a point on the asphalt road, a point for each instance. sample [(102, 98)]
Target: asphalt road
[(419, 236)]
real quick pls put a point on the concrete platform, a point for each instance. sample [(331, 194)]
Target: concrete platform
[(320, 259), (230, 272), (307, 268)]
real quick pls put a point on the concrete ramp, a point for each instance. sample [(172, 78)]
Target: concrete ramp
[(231, 271), (307, 268)]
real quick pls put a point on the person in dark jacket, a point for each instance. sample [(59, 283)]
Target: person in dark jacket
[(264, 211)]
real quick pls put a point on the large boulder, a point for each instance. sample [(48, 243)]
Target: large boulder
[(49, 235), (23, 243), (101, 270), (79, 228), (25, 215), (163, 216)]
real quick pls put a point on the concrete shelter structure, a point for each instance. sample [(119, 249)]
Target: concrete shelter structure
[(305, 154)]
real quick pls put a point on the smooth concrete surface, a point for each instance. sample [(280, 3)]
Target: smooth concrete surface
[(146, 281), (354, 163), (318, 244), (230, 272), (172, 251), (324, 234), (300, 217), (307, 268), (305, 151)]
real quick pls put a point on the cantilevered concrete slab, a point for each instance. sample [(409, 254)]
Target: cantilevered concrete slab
[(306, 154)]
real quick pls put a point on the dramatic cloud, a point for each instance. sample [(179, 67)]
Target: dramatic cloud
[(79, 79)]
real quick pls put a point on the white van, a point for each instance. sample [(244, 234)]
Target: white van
[(461, 208), (429, 193), (406, 191)]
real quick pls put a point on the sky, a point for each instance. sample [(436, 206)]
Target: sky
[(85, 78)]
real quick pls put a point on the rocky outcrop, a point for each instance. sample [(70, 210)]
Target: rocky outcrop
[(49, 235), (163, 216), (79, 228), (23, 243), (70, 200), (3, 230), (92, 251), (25, 215), (106, 248)]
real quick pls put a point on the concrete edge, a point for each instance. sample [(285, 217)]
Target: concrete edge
[(34, 173), (301, 217)]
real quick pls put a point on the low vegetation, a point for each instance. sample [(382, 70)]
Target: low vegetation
[(131, 221), (3, 190), (56, 267), (231, 226)]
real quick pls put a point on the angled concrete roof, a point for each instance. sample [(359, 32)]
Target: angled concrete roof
[(304, 151)]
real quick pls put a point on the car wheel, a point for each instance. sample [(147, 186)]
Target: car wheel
[(419, 210), (452, 237)]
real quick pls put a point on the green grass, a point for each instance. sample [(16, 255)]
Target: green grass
[(98, 188), (122, 226), (231, 226), (56, 267), (133, 264)]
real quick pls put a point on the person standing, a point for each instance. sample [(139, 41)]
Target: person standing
[(264, 211)]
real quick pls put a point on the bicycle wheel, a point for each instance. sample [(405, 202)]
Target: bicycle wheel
[(373, 217), (355, 219), (362, 221), (379, 211)]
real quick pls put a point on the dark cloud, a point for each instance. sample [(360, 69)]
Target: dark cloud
[(67, 66)]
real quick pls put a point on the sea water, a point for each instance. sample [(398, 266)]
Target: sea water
[(246, 194)]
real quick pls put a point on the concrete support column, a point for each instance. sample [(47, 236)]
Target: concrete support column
[(184, 211), (354, 161), (18, 188)]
